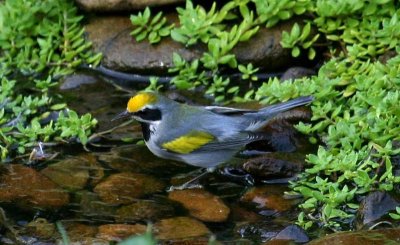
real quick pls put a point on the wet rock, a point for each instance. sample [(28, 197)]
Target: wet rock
[(118, 232), (241, 214), (86, 241), (296, 72), (143, 210), (75, 81), (78, 232), (258, 231), (28, 188), (71, 173), (121, 5), (41, 228), (121, 52), (179, 228), (279, 242), (270, 197), (96, 95), (201, 204), (111, 36), (372, 237), (89, 205), (124, 188), (293, 233), (264, 49), (275, 165), (374, 207)]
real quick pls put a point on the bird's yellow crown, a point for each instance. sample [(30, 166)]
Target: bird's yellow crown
[(140, 100)]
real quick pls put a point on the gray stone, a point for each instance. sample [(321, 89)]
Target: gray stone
[(111, 36)]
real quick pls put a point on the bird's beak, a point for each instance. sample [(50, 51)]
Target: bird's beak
[(122, 115)]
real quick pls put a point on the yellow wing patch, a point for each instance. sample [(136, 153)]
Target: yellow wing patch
[(138, 101), (189, 142)]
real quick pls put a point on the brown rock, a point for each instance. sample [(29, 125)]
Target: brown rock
[(111, 36), (72, 173), (275, 165), (201, 204), (370, 237), (179, 227), (78, 232), (264, 49), (118, 232), (143, 210), (296, 72), (28, 188), (121, 5), (41, 228), (90, 206), (268, 197), (124, 188)]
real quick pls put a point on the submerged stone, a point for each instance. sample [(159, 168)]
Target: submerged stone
[(293, 233), (371, 237), (124, 188), (79, 232), (179, 228), (268, 197), (29, 189), (89, 205), (201, 204), (118, 232), (72, 174), (41, 228), (144, 211)]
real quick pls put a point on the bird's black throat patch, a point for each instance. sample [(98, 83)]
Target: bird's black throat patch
[(145, 131)]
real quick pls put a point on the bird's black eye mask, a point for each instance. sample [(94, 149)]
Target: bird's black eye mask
[(149, 114)]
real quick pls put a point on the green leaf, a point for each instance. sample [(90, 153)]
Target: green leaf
[(295, 51)]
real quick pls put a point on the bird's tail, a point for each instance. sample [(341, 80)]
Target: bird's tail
[(281, 107)]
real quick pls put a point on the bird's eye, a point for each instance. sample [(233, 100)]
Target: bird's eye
[(149, 114)]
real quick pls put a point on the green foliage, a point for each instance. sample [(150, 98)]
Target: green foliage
[(396, 215), (22, 120), (154, 86), (248, 72), (297, 40), (151, 28), (39, 39), (356, 115), (197, 24), (39, 35), (273, 11)]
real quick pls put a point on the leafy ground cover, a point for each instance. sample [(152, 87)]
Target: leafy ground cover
[(40, 42)]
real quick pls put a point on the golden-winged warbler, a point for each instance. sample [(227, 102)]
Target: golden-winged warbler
[(203, 136)]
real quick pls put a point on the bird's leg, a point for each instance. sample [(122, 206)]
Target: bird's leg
[(193, 183)]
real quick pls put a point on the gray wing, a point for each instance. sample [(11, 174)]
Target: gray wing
[(228, 110), (236, 142)]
